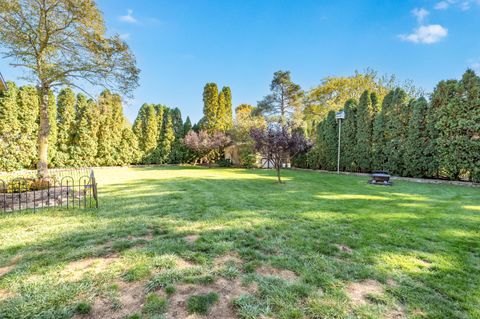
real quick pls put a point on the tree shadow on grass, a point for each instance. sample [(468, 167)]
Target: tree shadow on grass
[(420, 234)]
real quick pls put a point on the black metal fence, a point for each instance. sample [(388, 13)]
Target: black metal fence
[(63, 188)]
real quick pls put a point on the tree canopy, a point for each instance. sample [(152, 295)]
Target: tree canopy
[(63, 42)]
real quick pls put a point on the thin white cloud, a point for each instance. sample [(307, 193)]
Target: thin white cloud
[(420, 14), (442, 5), (125, 36), (426, 34), (463, 5), (128, 18)]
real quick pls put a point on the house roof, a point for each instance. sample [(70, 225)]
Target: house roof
[(3, 84)]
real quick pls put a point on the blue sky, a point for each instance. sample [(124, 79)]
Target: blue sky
[(181, 45)]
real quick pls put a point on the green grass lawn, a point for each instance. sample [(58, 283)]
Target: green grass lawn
[(234, 244)]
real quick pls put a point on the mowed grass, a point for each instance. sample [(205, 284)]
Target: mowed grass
[(354, 250)]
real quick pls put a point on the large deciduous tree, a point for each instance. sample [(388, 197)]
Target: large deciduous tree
[(63, 42)]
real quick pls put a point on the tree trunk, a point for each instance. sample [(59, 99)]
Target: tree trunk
[(43, 133), (278, 172)]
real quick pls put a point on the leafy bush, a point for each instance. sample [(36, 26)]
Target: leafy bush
[(224, 162)]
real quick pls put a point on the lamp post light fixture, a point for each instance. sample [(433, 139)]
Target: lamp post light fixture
[(340, 116)]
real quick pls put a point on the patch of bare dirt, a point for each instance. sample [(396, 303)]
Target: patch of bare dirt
[(392, 283), (344, 248), (191, 238), (131, 297), (181, 263), (75, 270), (284, 274), (227, 292), (5, 270), (232, 258), (147, 237), (359, 291), (397, 313), (5, 294)]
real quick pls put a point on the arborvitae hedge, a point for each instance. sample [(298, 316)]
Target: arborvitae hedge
[(408, 137), (349, 137), (363, 143), (83, 132)]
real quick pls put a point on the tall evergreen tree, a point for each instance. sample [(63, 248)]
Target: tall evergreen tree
[(363, 145), (328, 142), (129, 145), (106, 143), (224, 114), (396, 115), (187, 126), (379, 142), (138, 126), (27, 111), (210, 107), (84, 148), (177, 122), (349, 137), (417, 139), (167, 140), (9, 128), (284, 98), (66, 127), (443, 93), (150, 134), (458, 126)]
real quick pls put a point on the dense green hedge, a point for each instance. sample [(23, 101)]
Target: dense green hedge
[(407, 137)]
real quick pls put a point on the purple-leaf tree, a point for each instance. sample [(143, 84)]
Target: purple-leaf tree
[(277, 142), (203, 144)]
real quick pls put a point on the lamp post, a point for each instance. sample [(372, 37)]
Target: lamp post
[(340, 116)]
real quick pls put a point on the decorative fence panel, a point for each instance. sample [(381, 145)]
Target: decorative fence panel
[(63, 188)]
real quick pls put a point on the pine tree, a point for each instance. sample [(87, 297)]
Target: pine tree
[(363, 145), (210, 107), (28, 107), (349, 136), (66, 127), (9, 129), (417, 139)]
